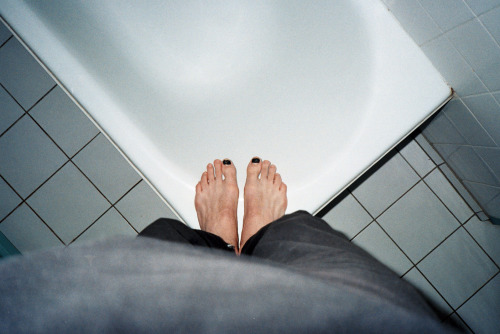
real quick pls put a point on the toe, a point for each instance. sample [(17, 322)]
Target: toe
[(229, 171), (253, 169), (204, 180), (218, 169), (277, 180), (272, 173), (264, 172), (210, 173), (198, 188)]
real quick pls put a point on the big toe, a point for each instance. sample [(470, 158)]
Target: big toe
[(253, 169), (229, 171)]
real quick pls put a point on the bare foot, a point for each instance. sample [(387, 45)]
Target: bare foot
[(216, 201), (265, 197)]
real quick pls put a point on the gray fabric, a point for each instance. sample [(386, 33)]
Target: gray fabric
[(145, 285)]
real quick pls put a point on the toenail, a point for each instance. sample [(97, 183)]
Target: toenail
[(255, 160), (226, 162)]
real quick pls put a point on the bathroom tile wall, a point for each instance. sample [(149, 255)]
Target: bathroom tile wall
[(62, 182), (462, 40)]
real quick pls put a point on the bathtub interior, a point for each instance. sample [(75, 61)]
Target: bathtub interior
[(321, 89)]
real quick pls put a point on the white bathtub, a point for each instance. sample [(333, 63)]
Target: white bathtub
[(323, 89)]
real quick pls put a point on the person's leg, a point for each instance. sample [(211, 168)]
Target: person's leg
[(307, 244), (173, 230)]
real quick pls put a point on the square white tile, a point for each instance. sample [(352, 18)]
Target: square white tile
[(487, 235), (482, 6), (459, 187), (441, 131), (466, 124), (481, 311), (469, 167), (10, 110), (348, 217), (427, 147), (374, 240), (8, 199), (27, 232), (21, 75), (106, 168), (487, 111), (491, 21), (480, 50), (68, 203), (64, 121), (28, 156), (450, 197), (447, 13), (415, 20), (142, 206), (491, 156), (457, 268), (4, 33), (417, 158), (418, 222), (453, 67), (385, 185), (415, 278), (488, 196), (109, 225)]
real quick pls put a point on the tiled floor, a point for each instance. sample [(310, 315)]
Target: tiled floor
[(61, 181)]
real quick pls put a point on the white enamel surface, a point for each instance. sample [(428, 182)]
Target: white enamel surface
[(322, 89)]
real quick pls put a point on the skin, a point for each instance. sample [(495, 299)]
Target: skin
[(216, 200)]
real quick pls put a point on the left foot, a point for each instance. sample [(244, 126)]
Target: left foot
[(216, 201)]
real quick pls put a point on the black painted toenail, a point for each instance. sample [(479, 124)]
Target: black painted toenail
[(226, 162), (255, 160)]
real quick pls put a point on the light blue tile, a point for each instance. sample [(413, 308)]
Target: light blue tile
[(10, 111), (480, 50), (64, 121), (467, 124), (21, 75), (492, 158), (27, 232), (487, 235), (450, 197), (141, 206), (4, 33), (481, 311), (487, 112), (459, 187), (457, 268), (446, 150), (418, 222), (68, 203), (415, 278), (417, 158), (348, 217), (468, 166), (8, 199), (28, 156), (111, 224), (482, 217), (491, 21), (374, 240), (482, 6), (414, 19), (106, 168), (453, 67), (441, 131), (484, 193), (496, 96), (385, 185), (427, 147), (447, 13)]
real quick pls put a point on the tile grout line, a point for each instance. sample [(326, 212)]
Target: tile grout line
[(478, 122), (113, 206), (480, 246), (482, 286), (8, 39), (39, 217)]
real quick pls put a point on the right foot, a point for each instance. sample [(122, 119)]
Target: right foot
[(265, 198)]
